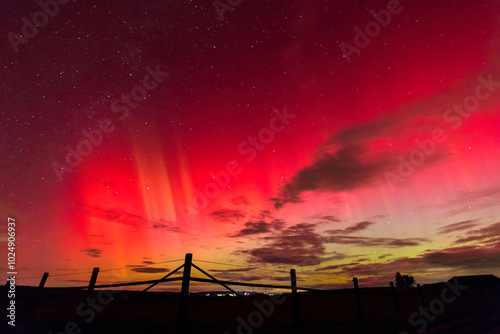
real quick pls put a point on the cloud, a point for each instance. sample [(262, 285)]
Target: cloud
[(235, 274), (446, 262), (169, 227), (278, 224), (150, 270), (356, 228), (263, 214), (301, 245), (360, 155), (343, 170), (259, 227), (227, 271), (368, 242), (466, 202), (343, 162), (115, 216), (331, 219), (77, 280), (486, 235), (92, 252), (489, 192), (464, 257), (249, 278), (356, 269), (295, 245), (383, 256), (464, 225), (326, 219), (284, 278), (130, 219), (227, 215), (240, 200), (332, 267)]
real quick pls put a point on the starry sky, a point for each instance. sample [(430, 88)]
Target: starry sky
[(340, 138)]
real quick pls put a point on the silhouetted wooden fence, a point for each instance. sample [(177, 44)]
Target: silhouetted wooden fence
[(481, 294)]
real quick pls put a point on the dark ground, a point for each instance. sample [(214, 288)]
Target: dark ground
[(474, 311)]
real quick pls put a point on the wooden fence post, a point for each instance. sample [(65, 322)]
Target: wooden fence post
[(186, 277), (421, 294), (295, 300), (43, 280), (358, 299), (93, 279), (38, 294), (396, 300)]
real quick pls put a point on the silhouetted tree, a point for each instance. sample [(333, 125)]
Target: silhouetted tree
[(404, 281)]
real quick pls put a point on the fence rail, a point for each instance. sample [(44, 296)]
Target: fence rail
[(293, 288)]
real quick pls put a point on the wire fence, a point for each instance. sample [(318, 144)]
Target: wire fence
[(431, 295)]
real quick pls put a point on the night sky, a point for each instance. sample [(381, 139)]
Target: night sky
[(267, 135)]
